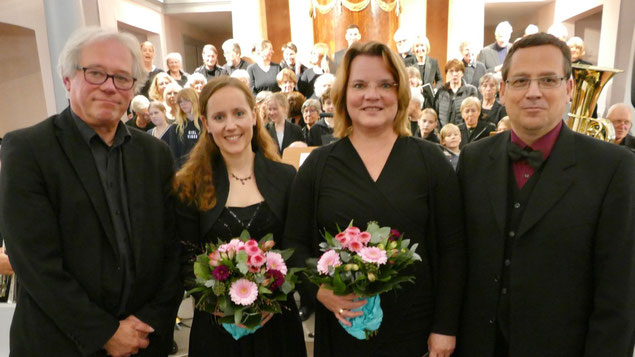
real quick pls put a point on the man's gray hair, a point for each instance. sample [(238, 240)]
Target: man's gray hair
[(68, 62)]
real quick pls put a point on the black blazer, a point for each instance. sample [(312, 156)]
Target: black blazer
[(482, 130), (274, 181), (629, 142), (572, 270), (55, 220), (292, 133)]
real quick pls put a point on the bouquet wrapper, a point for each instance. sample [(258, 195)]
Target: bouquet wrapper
[(238, 332), (369, 321)]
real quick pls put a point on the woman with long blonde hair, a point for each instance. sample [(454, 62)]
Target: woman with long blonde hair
[(184, 134), (232, 181)]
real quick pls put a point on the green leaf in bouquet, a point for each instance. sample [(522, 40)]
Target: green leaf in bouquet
[(251, 320), (266, 238), (241, 257), (263, 290), (286, 287), (225, 305), (242, 267), (338, 284), (372, 227), (416, 257), (287, 253), (345, 256), (379, 235), (324, 246), (219, 288), (259, 278), (347, 276), (244, 235), (329, 238), (209, 283), (359, 276), (405, 243), (238, 314), (202, 270), (294, 271)]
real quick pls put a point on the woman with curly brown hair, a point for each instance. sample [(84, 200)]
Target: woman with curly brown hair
[(232, 181)]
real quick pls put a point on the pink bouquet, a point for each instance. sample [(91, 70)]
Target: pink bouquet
[(366, 263), (241, 279)]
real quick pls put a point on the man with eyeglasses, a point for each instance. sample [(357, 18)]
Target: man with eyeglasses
[(549, 222), (87, 216)]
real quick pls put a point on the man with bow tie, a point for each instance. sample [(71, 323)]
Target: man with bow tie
[(551, 236)]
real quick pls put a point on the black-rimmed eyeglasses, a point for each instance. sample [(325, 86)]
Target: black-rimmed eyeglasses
[(98, 77)]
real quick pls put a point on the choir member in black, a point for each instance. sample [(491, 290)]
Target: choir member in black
[(473, 128), (262, 74), (289, 51), (491, 109), (296, 100), (576, 45), (183, 135), (414, 111), (147, 52), (310, 114), (428, 125), (196, 81), (160, 81), (210, 69), (361, 178), (318, 64), (282, 131), (234, 181), (141, 116), (428, 66), (174, 62), (160, 121), (233, 57), (287, 80)]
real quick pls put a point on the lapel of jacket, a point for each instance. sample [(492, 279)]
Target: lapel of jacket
[(271, 127), (133, 155), (554, 181), (428, 71), (497, 172), (286, 138), (83, 163), (221, 183)]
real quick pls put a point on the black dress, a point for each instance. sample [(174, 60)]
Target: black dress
[(417, 196), (282, 335)]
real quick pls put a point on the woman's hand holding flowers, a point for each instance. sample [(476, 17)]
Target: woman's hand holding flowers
[(344, 302)]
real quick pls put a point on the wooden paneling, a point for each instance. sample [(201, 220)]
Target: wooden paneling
[(373, 22), (278, 25), (437, 30)]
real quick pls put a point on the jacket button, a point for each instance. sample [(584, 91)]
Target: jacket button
[(508, 262)]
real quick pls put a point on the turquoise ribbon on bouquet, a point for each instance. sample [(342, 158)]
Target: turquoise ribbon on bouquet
[(369, 321), (238, 332)]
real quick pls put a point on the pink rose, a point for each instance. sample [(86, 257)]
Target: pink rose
[(355, 245), (256, 260), (364, 237)]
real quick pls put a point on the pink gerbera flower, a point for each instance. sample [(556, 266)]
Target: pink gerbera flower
[(329, 259), (373, 255), (275, 262), (243, 292)]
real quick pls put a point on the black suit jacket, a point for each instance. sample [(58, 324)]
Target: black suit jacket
[(572, 268), (55, 220), (292, 133), (629, 142), (482, 130)]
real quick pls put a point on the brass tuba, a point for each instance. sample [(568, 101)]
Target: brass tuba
[(588, 82)]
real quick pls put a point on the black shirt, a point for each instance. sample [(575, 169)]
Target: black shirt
[(109, 164)]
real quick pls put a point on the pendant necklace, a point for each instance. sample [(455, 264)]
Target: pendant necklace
[(241, 179)]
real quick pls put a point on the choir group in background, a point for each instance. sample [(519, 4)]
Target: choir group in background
[(524, 228)]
